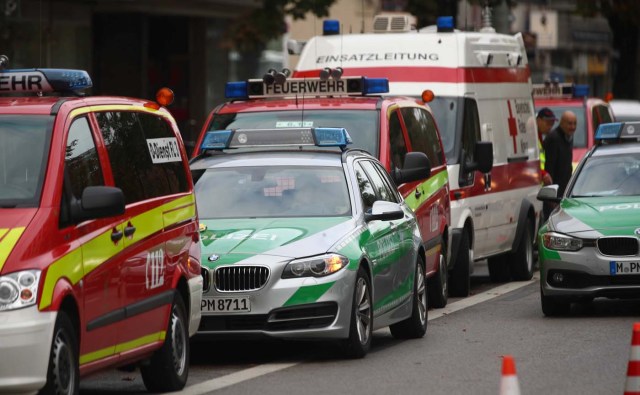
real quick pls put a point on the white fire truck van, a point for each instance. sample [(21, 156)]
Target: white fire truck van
[(482, 87)]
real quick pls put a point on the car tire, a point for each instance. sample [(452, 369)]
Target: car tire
[(358, 343), (554, 307), (415, 326), (499, 270), (63, 374), (459, 279), (168, 368), (438, 286), (522, 261)]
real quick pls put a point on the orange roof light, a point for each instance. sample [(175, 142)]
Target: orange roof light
[(427, 95), (164, 96), (608, 97)]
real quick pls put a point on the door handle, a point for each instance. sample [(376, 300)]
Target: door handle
[(116, 235), (129, 230)]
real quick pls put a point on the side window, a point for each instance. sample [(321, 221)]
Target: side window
[(144, 154), (396, 139), (81, 164), (366, 189), (600, 114), (470, 135), (422, 133), (381, 187)]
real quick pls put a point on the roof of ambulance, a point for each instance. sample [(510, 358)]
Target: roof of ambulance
[(323, 103)]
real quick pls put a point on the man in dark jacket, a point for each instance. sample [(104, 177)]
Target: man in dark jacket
[(558, 148)]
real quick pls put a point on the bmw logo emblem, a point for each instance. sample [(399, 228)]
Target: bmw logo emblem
[(213, 258), (637, 232)]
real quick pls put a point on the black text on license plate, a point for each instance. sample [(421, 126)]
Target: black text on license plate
[(618, 268), (225, 305)]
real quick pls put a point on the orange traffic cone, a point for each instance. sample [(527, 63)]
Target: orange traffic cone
[(509, 383), (632, 385)]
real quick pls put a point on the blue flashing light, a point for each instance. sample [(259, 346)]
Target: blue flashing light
[(236, 90), (375, 86), (330, 27), (580, 90), (44, 80), (445, 23), (607, 131), (217, 140), (332, 137), (67, 80)]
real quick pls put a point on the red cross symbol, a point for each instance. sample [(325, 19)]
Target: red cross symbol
[(513, 128)]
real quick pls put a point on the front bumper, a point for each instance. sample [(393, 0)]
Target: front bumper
[(195, 296), (25, 344), (585, 274), (299, 308)]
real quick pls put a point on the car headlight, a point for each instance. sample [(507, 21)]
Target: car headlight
[(18, 290), (560, 242), (316, 266)]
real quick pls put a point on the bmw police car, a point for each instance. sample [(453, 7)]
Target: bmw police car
[(304, 242), (590, 245), (386, 127)]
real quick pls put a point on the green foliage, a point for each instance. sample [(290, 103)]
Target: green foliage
[(253, 30)]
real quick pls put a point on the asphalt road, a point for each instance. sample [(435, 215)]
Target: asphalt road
[(585, 353)]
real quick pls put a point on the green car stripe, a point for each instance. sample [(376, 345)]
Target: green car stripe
[(308, 294), (428, 189)]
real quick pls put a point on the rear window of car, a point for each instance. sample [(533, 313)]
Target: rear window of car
[(362, 125), (272, 191), (24, 148)]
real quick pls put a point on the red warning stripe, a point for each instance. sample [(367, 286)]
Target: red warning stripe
[(434, 74), (633, 369)]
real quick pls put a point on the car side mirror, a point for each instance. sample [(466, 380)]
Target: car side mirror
[(548, 193), (98, 202), (384, 211), (417, 166), (483, 154)]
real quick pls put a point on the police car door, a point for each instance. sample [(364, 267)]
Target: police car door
[(390, 242)]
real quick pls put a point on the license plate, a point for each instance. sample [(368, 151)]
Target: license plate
[(622, 268), (239, 304)]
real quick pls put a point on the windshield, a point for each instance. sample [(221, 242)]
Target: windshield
[(445, 111), (362, 125), (610, 175), (273, 191), (24, 144), (580, 136)]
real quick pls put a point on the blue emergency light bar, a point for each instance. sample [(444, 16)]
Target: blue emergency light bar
[(618, 131), (43, 80), (288, 137), (444, 24), (580, 90), (309, 87), (330, 27)]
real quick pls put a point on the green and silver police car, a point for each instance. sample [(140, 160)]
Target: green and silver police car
[(589, 247), (301, 241)]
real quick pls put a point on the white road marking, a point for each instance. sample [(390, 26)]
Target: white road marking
[(260, 370)]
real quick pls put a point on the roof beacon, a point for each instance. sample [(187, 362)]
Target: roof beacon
[(330, 27), (43, 80), (312, 87), (618, 132), (445, 24), (287, 137)]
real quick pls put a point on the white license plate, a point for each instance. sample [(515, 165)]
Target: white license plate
[(239, 304), (622, 268)]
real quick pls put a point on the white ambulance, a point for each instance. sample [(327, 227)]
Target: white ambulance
[(482, 86)]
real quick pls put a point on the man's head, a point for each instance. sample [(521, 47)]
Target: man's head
[(568, 123), (545, 120)]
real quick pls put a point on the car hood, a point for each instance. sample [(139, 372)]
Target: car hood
[(593, 217), (227, 241)]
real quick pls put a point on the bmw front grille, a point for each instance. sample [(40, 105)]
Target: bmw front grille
[(618, 246), (240, 278)]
